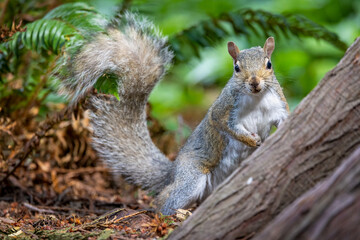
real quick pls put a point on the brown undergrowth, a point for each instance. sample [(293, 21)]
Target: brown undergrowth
[(60, 189)]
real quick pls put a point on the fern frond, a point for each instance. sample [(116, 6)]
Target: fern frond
[(66, 23), (207, 33), (80, 15), (46, 34)]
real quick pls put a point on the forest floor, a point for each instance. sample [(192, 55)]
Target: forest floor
[(63, 191)]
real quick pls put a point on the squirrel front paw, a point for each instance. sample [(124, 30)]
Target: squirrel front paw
[(257, 140), (252, 140)]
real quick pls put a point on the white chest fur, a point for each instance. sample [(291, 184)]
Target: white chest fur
[(255, 114)]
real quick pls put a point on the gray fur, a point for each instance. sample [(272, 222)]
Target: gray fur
[(134, 50), (238, 121), (124, 143), (120, 136)]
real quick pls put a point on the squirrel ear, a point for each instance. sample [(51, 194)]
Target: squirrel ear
[(233, 50), (269, 46)]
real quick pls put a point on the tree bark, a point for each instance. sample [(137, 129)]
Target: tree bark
[(328, 211), (319, 134)]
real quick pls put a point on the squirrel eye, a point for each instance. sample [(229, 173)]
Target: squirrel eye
[(268, 65), (237, 68)]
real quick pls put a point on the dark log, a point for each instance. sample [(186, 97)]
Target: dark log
[(321, 132), (328, 211)]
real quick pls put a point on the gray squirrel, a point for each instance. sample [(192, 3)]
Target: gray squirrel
[(236, 124)]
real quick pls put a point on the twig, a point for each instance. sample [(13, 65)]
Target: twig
[(34, 208), (125, 217), (7, 220), (68, 209), (105, 217), (15, 182), (39, 87), (81, 170), (35, 94), (125, 5), (24, 152)]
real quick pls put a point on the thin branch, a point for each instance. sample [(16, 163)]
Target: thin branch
[(105, 221), (125, 6), (24, 152), (56, 209), (36, 209), (81, 170)]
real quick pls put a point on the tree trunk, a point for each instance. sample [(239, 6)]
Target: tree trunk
[(329, 211), (319, 134)]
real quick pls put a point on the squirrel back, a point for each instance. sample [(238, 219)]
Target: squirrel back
[(133, 50)]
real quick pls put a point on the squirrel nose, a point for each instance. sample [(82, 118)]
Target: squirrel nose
[(254, 84)]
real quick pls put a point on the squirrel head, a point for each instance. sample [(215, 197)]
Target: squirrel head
[(252, 67)]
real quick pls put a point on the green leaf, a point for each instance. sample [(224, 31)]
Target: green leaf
[(209, 32), (108, 83)]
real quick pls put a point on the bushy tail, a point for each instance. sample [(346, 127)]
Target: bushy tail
[(132, 50)]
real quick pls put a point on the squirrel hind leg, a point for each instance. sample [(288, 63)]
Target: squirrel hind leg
[(182, 192)]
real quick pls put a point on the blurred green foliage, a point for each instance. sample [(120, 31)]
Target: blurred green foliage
[(198, 31), (300, 63)]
